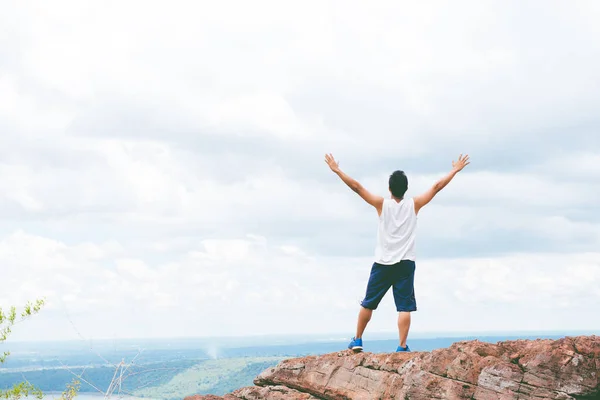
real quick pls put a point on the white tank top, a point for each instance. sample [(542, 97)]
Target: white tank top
[(396, 234)]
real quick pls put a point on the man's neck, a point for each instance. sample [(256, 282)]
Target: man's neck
[(398, 200)]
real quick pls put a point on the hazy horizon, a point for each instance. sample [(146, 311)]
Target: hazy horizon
[(385, 335)]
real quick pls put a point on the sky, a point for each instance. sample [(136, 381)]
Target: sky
[(162, 172)]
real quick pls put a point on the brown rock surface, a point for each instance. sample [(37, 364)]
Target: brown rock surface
[(256, 393), (523, 369)]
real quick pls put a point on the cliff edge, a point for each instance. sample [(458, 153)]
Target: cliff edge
[(567, 368)]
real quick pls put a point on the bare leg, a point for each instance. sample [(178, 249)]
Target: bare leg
[(364, 316), (403, 327)]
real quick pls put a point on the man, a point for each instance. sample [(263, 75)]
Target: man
[(395, 252)]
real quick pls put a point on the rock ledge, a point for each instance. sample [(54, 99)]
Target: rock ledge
[(567, 368)]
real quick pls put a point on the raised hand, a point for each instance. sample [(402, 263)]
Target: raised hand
[(334, 165), (461, 163)]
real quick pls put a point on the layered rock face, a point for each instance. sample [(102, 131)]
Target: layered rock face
[(539, 369)]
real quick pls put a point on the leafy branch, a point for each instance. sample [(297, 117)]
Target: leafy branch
[(71, 390), (7, 321)]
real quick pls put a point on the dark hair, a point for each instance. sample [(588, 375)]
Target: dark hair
[(398, 184)]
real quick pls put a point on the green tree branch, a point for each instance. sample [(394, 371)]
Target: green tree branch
[(7, 321)]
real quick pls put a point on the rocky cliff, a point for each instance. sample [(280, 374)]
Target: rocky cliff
[(540, 369)]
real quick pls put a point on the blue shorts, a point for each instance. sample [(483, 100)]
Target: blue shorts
[(400, 276)]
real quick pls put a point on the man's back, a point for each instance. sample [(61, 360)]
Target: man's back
[(396, 234), (395, 252)]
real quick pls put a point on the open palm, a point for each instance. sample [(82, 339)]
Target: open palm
[(333, 164), (461, 163)]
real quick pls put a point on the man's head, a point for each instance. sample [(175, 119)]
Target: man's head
[(398, 184)]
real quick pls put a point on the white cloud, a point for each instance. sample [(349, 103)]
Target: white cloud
[(583, 166), (161, 167), (26, 112), (249, 285)]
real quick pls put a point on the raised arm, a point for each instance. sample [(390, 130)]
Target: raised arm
[(423, 199), (374, 200)]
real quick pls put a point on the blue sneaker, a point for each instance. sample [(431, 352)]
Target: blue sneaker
[(356, 345), (400, 348)]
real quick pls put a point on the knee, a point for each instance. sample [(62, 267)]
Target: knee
[(366, 312)]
